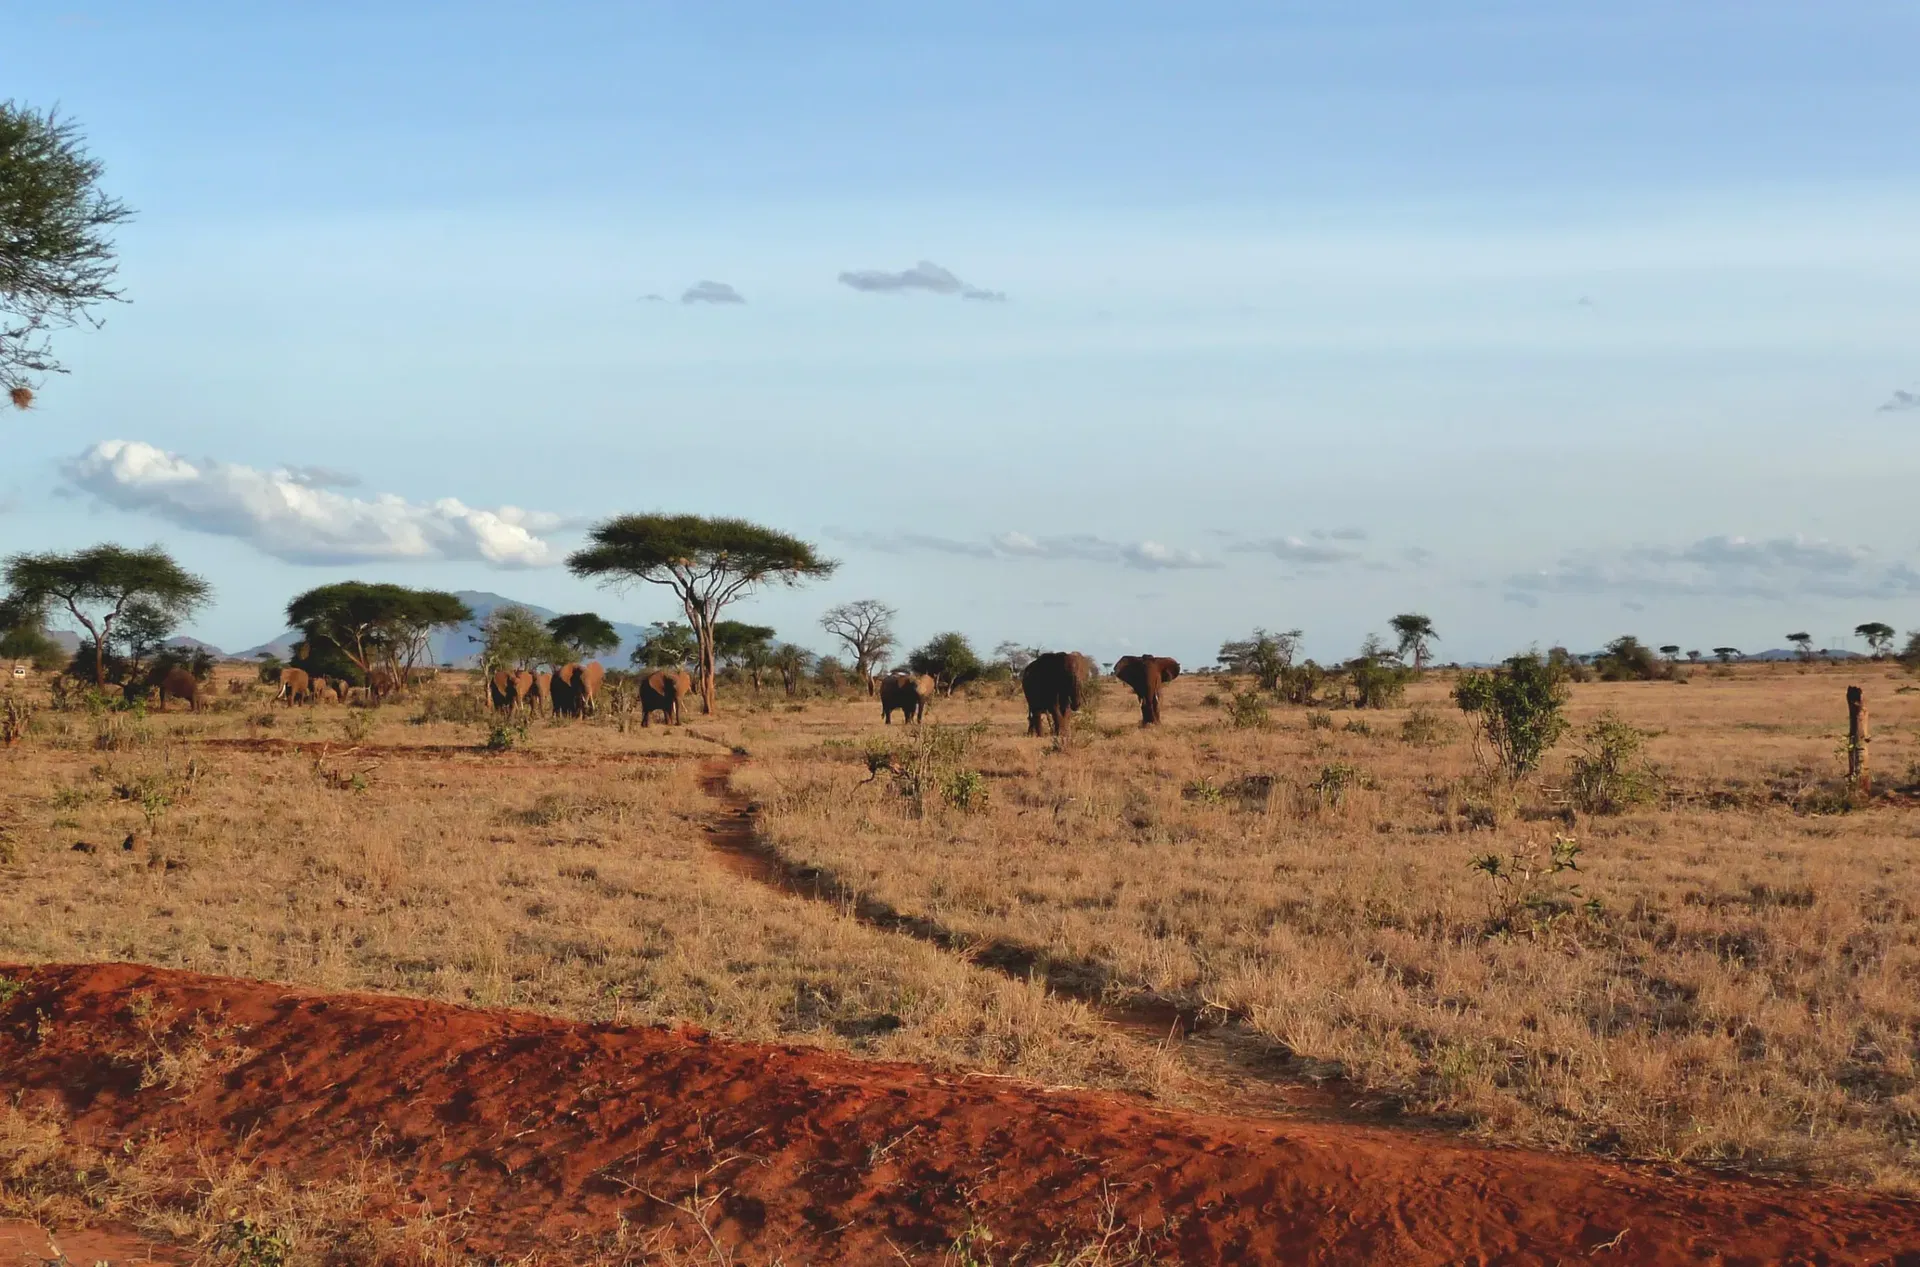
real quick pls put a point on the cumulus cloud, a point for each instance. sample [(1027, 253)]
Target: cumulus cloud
[(1148, 556), (712, 293), (1724, 567), (1900, 403), (294, 519), (926, 275)]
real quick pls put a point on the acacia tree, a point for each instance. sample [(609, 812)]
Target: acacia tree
[(949, 659), (707, 563), (56, 260), (376, 625), (1879, 637), (1727, 655), (866, 627), (583, 633), (513, 637), (667, 646), (1416, 637), (1267, 656), (739, 645), (793, 663), (103, 586), (1802, 644)]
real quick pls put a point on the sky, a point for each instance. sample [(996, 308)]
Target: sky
[(1119, 326)]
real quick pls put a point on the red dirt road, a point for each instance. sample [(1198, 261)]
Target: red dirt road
[(550, 1131)]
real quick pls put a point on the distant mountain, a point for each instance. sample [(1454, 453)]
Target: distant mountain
[(1782, 654), (458, 646), (194, 644)]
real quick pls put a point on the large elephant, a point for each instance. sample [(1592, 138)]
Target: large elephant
[(295, 686), (662, 690), (1055, 685), (178, 683), (381, 683), (542, 690), (907, 693), (574, 688), (1147, 674), (503, 690)]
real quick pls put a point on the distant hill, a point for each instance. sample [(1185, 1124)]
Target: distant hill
[(456, 646), (1779, 653)]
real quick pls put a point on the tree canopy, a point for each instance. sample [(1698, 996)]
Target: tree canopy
[(707, 563), (584, 633), (512, 637), (1802, 643), (56, 258), (103, 586), (376, 625), (1879, 636), (1267, 656), (866, 626), (949, 659), (1416, 636), (670, 645)]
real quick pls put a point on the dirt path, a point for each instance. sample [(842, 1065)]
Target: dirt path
[(553, 1133), (1234, 1070)]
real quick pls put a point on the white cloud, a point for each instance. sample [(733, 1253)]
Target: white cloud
[(1724, 567), (926, 275), (1151, 556), (1901, 402), (286, 515), (1299, 550)]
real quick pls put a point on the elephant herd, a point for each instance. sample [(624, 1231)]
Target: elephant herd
[(1055, 686), (297, 686), (573, 690)]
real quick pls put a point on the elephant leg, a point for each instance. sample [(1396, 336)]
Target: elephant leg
[(1033, 723)]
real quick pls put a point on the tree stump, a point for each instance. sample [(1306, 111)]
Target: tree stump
[(1859, 778)]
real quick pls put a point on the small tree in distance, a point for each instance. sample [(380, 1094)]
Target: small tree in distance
[(512, 637), (1516, 710), (1803, 644), (707, 563), (584, 634), (1671, 651), (99, 587), (1727, 655), (1879, 637), (1416, 634), (377, 625), (949, 659), (866, 626), (670, 645), (1267, 656)]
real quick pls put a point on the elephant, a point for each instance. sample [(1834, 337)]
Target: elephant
[(663, 689), (381, 683), (295, 685), (177, 683), (574, 687), (543, 690), (1055, 683), (907, 693), (502, 691), (1147, 675), (322, 689)]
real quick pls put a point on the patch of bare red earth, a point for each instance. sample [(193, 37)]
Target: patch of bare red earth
[(551, 1131)]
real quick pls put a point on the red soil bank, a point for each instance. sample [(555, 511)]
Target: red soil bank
[(548, 1130)]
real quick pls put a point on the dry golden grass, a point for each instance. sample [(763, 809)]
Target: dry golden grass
[(1747, 990)]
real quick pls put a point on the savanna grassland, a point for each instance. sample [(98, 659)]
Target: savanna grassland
[(1728, 973)]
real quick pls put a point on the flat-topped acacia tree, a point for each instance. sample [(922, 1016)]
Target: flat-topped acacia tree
[(376, 626), (707, 563), (105, 586)]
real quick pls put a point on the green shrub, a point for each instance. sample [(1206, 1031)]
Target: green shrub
[(1319, 721), (1424, 728), (1247, 710), (1609, 774), (1516, 710)]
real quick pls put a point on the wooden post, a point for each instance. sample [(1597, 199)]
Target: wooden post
[(1858, 776)]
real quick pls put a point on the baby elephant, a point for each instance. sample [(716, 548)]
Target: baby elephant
[(907, 693), (179, 684)]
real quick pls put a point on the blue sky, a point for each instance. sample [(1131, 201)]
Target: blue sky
[(1552, 321)]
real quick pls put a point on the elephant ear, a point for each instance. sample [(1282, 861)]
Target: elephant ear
[(1132, 671), (1169, 668)]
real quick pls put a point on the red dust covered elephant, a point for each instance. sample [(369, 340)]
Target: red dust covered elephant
[(1147, 675)]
